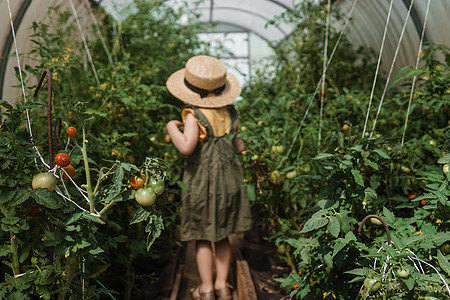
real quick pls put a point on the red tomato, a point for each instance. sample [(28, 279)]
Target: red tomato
[(137, 182), (71, 131), (423, 202), (70, 170), (412, 197), (62, 160)]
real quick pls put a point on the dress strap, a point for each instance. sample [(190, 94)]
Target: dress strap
[(234, 118), (203, 121)]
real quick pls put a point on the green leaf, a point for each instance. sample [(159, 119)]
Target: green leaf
[(90, 111), (389, 217), (359, 272), (390, 250), (372, 164), (445, 159), (382, 153), (96, 251), (409, 282), (443, 262), (323, 156), (314, 223), (91, 217), (73, 218), (358, 177), (46, 198), (415, 72), (250, 189), (5, 250), (334, 226), (20, 197), (339, 245), (328, 260), (83, 244), (6, 195), (140, 216), (154, 228), (183, 186)]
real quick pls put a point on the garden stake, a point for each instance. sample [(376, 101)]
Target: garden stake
[(50, 131), (417, 66), (49, 111)]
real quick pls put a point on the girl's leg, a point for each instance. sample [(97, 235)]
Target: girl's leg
[(223, 259), (204, 257)]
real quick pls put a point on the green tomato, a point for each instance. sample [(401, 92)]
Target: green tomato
[(158, 186), (291, 175), (145, 196), (372, 284), (403, 272), (44, 181), (375, 221), (280, 149)]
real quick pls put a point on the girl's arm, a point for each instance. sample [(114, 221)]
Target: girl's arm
[(185, 141)]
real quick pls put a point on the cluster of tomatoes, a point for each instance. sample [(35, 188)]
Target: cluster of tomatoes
[(48, 180), (146, 192)]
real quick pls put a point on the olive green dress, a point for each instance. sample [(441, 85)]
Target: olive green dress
[(215, 204)]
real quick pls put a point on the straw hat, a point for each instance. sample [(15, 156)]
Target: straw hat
[(204, 82)]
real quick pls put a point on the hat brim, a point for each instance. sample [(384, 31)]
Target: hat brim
[(176, 86)]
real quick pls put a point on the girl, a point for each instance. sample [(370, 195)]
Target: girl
[(215, 205)]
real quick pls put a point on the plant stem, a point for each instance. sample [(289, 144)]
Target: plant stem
[(107, 207), (15, 255), (290, 262), (88, 176)]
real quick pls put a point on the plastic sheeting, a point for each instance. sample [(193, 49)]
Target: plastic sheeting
[(24, 13), (366, 29)]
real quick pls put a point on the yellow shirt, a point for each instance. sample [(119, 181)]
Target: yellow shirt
[(218, 118)]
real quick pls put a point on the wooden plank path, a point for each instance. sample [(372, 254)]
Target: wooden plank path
[(186, 275)]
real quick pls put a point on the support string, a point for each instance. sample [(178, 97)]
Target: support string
[(378, 67), (83, 37), (320, 81), (324, 72), (391, 68), (13, 31), (97, 27), (417, 66)]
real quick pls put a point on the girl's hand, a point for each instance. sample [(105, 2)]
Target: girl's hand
[(185, 141), (174, 124)]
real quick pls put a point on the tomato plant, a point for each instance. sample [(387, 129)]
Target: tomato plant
[(71, 131), (62, 159)]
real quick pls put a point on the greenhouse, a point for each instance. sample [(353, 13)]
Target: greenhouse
[(224, 149)]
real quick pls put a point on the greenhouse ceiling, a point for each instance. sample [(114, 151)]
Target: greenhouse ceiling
[(392, 28)]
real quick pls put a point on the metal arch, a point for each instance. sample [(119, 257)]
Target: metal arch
[(416, 20), (280, 4), (240, 26), (9, 41), (248, 12)]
